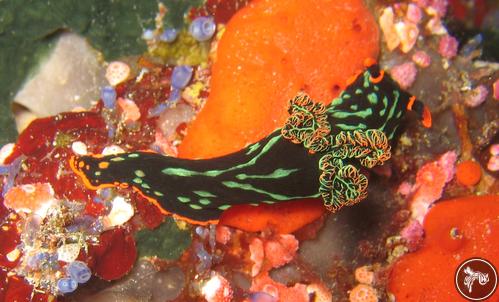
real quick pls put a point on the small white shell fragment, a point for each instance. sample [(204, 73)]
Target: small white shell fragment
[(117, 72), (6, 151), (386, 22), (121, 212), (79, 148), (68, 252), (13, 255), (408, 33), (113, 149)]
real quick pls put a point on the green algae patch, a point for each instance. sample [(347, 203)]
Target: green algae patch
[(185, 50), (167, 241)]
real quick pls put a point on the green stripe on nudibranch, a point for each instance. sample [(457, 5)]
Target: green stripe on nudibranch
[(253, 148), (205, 201), (184, 199), (279, 173), (214, 173), (204, 194)]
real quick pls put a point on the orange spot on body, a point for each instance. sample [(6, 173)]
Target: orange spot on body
[(103, 165)]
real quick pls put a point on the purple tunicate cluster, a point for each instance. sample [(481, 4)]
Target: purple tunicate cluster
[(205, 259), (66, 285), (169, 35), (202, 28), (157, 110), (148, 34), (181, 76), (261, 297), (108, 96), (79, 271), (11, 170), (174, 95)]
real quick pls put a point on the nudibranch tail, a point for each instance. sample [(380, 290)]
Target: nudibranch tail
[(272, 170)]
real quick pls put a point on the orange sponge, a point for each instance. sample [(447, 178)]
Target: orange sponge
[(272, 49), (468, 173), (455, 231)]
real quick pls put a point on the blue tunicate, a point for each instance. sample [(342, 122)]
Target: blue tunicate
[(202, 28), (66, 285), (106, 193), (97, 227), (148, 34), (471, 45), (169, 35), (79, 271), (157, 110), (204, 257), (181, 76), (111, 131), (201, 232), (11, 170), (4, 170), (35, 260), (108, 96), (174, 95), (261, 297), (81, 223)]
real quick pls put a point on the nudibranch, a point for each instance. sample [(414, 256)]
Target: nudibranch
[(317, 153)]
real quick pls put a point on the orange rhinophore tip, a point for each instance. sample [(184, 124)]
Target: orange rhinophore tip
[(426, 117), (411, 102)]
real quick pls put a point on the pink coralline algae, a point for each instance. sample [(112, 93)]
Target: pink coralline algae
[(437, 8), (404, 74), (31, 198), (257, 255), (296, 293), (363, 293), (414, 13), (447, 47), (413, 234), (430, 181), (281, 250), (129, 110), (276, 252), (493, 164), (421, 58), (476, 96), (364, 275), (222, 234)]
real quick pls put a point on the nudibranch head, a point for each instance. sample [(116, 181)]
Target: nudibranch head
[(90, 169), (373, 100)]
